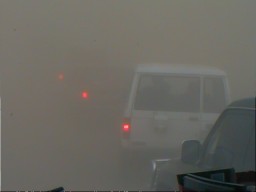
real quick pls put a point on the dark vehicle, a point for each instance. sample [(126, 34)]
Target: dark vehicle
[(230, 143)]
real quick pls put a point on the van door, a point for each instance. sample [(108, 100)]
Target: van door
[(166, 110), (214, 101)]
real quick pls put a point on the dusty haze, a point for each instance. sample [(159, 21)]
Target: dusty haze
[(49, 141)]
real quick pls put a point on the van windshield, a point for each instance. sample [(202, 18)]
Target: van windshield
[(168, 93), (227, 145)]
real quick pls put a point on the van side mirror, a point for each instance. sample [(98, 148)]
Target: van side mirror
[(190, 152)]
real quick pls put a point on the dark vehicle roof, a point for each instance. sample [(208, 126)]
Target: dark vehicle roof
[(244, 103)]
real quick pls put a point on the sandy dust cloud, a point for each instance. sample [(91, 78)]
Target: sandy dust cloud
[(51, 136)]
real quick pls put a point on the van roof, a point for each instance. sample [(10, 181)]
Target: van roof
[(179, 69)]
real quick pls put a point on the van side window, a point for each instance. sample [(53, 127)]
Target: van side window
[(214, 97), (168, 93)]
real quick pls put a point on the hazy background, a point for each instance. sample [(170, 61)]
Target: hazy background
[(48, 139)]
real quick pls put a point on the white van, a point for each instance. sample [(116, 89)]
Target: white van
[(168, 104)]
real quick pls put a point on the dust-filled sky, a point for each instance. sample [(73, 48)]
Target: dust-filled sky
[(100, 43), (124, 33)]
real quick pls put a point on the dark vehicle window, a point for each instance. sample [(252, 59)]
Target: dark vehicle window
[(229, 142), (165, 93), (214, 97)]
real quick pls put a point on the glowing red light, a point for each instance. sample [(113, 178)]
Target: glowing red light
[(61, 76), (126, 127), (85, 95)]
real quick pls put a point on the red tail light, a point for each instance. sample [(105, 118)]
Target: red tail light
[(126, 128)]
